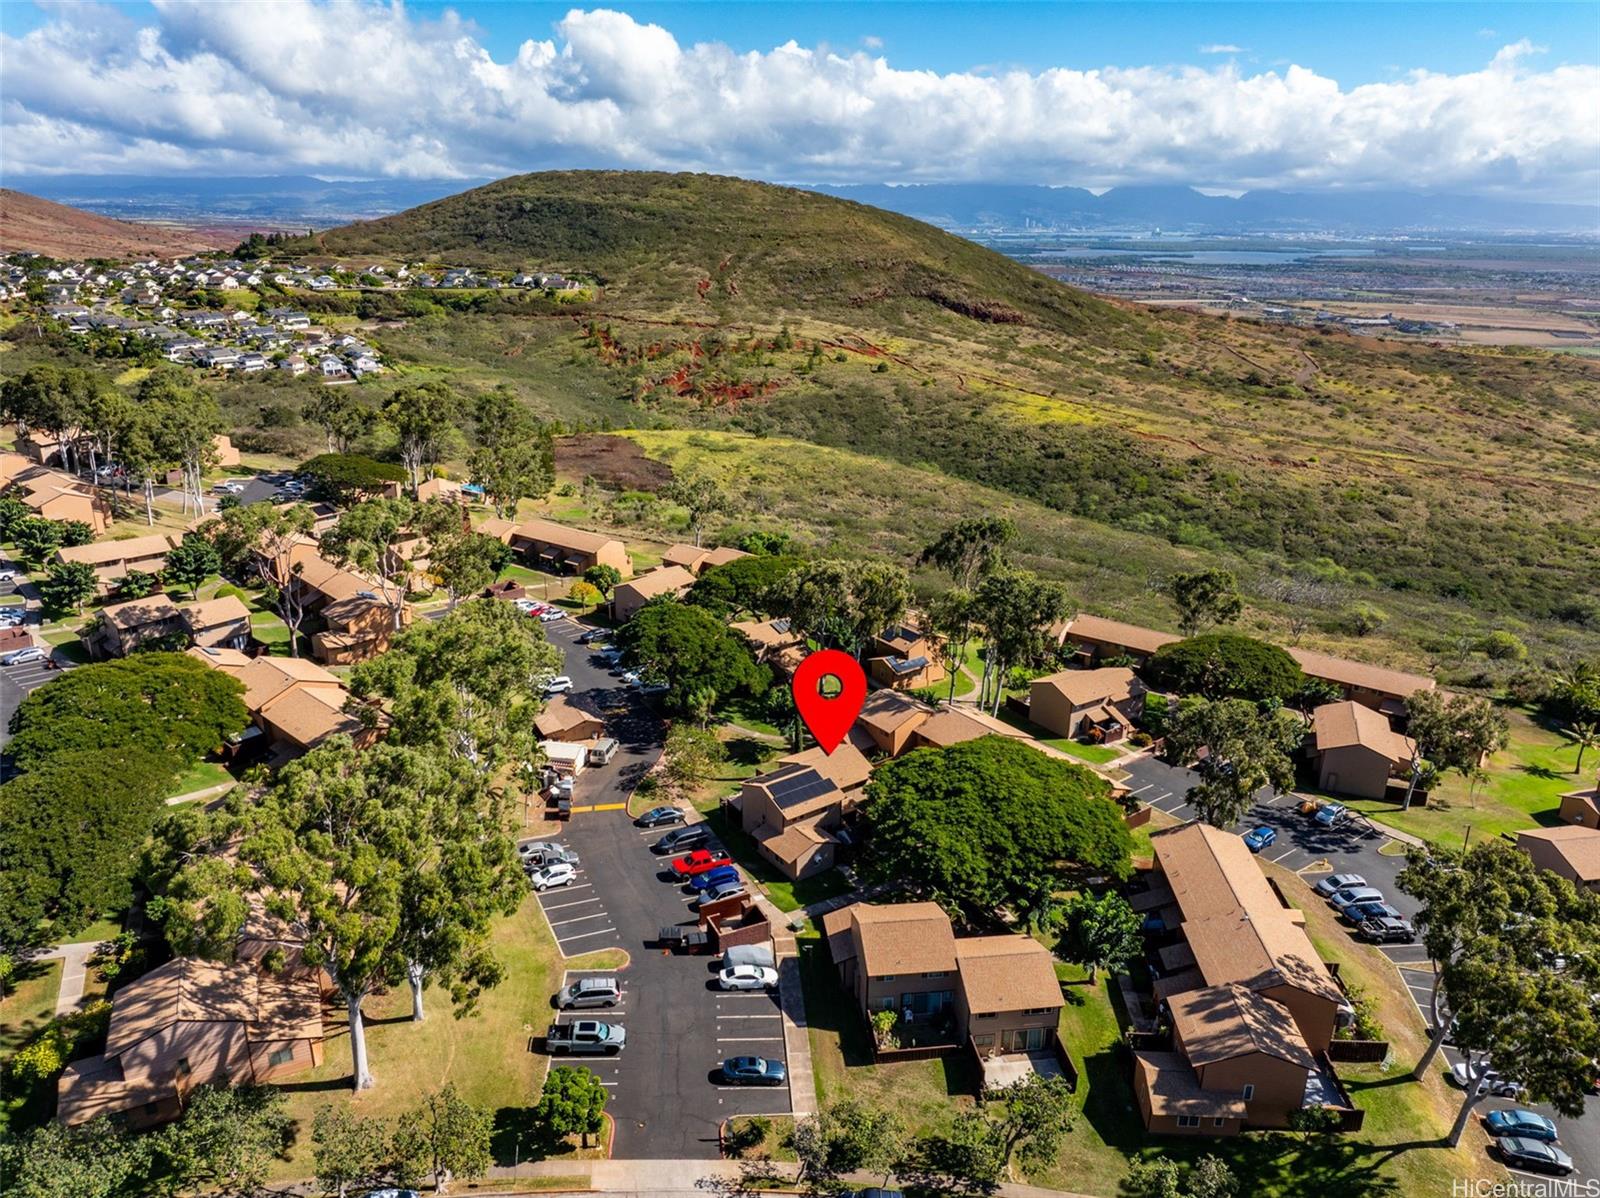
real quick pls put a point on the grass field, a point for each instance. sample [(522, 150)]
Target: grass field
[(29, 1003), (201, 776), (488, 1055), (1522, 789)]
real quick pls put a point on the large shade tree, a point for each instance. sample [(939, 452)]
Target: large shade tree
[(842, 602), (1017, 609), (693, 653), (1226, 665), (268, 542), (1515, 971), (990, 825), (1245, 749)]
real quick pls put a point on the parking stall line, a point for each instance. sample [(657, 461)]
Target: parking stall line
[(564, 906), (583, 935), (579, 919)]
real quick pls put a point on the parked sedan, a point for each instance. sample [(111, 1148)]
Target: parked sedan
[(1356, 894), (592, 635), (747, 977), (660, 817), (1387, 931), (1524, 1124), (1491, 1082), (560, 874), (21, 657), (1331, 815), (717, 894), (753, 1071), (700, 861), (1534, 1155), (713, 878), (1259, 838), (1332, 885), (1361, 912)]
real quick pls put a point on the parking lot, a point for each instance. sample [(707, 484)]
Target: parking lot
[(664, 1090), (1356, 847)]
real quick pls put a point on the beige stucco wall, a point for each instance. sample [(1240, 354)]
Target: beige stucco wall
[(1353, 770)]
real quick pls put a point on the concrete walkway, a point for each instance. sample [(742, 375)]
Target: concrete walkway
[(702, 1177), (74, 960), (196, 796)]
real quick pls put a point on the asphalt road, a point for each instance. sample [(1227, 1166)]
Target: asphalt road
[(663, 1088), (1355, 848)]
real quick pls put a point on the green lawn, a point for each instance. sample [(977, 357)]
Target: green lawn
[(1522, 790), (101, 929), (926, 1094), (200, 776), (29, 1004), (488, 1054), (1094, 754)]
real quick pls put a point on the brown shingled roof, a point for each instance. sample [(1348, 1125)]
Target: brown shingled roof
[(1219, 1023), (1007, 973), (1342, 725), (1395, 683), (1081, 687), (562, 537), (898, 938), (1175, 1090), (1233, 921), (1115, 632)]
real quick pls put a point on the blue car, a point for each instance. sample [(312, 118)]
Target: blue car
[(1529, 1125), (753, 1071), (1259, 838), (713, 878)]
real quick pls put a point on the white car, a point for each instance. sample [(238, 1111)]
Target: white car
[(230, 487), (1489, 1082), (19, 657), (1331, 886), (552, 613), (1356, 894), (559, 874), (631, 677), (747, 977), (8, 576), (558, 685), (527, 606)]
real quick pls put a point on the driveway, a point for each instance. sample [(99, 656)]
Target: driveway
[(663, 1090), (1355, 847)]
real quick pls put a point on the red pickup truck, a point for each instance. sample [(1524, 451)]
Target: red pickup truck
[(698, 862)]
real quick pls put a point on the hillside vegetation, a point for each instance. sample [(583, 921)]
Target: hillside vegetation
[(1471, 477), (58, 231)]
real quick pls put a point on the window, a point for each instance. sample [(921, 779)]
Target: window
[(888, 977), (1188, 1120), (885, 1003), (281, 1056), (985, 1015), (1218, 1121), (1038, 1010), (182, 1069), (984, 1040), (938, 973), (1249, 1093)]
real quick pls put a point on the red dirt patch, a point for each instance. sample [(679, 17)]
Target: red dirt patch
[(613, 462)]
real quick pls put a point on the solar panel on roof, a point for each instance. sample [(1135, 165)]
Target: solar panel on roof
[(780, 625), (797, 788)]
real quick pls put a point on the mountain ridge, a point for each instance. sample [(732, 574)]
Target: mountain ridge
[(29, 222)]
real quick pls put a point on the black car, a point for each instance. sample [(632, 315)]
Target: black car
[(660, 817), (1387, 930), (593, 635), (1535, 1155), (682, 839), (753, 1071), (683, 938)]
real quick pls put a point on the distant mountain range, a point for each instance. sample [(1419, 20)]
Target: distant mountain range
[(980, 205), (295, 200)]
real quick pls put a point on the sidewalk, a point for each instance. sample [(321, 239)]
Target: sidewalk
[(74, 960), (700, 1177), (195, 796)]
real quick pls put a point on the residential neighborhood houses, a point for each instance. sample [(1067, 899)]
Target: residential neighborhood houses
[(168, 305), (1230, 1005)]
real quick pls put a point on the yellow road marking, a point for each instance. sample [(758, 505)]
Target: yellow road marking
[(598, 807)]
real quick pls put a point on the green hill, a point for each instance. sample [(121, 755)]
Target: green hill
[(1472, 475), (748, 248)]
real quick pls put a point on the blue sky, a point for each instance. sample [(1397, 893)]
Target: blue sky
[(1355, 43), (1484, 98)]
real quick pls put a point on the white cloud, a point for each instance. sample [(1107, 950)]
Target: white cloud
[(1221, 48), (352, 87), (872, 42)]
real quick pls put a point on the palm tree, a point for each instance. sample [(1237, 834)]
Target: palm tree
[(1586, 735)]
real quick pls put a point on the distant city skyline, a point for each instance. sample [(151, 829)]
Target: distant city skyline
[(1489, 99)]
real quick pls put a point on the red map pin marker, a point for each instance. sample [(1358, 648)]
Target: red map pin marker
[(829, 716)]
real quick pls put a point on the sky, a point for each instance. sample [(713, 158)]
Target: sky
[(1477, 98)]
